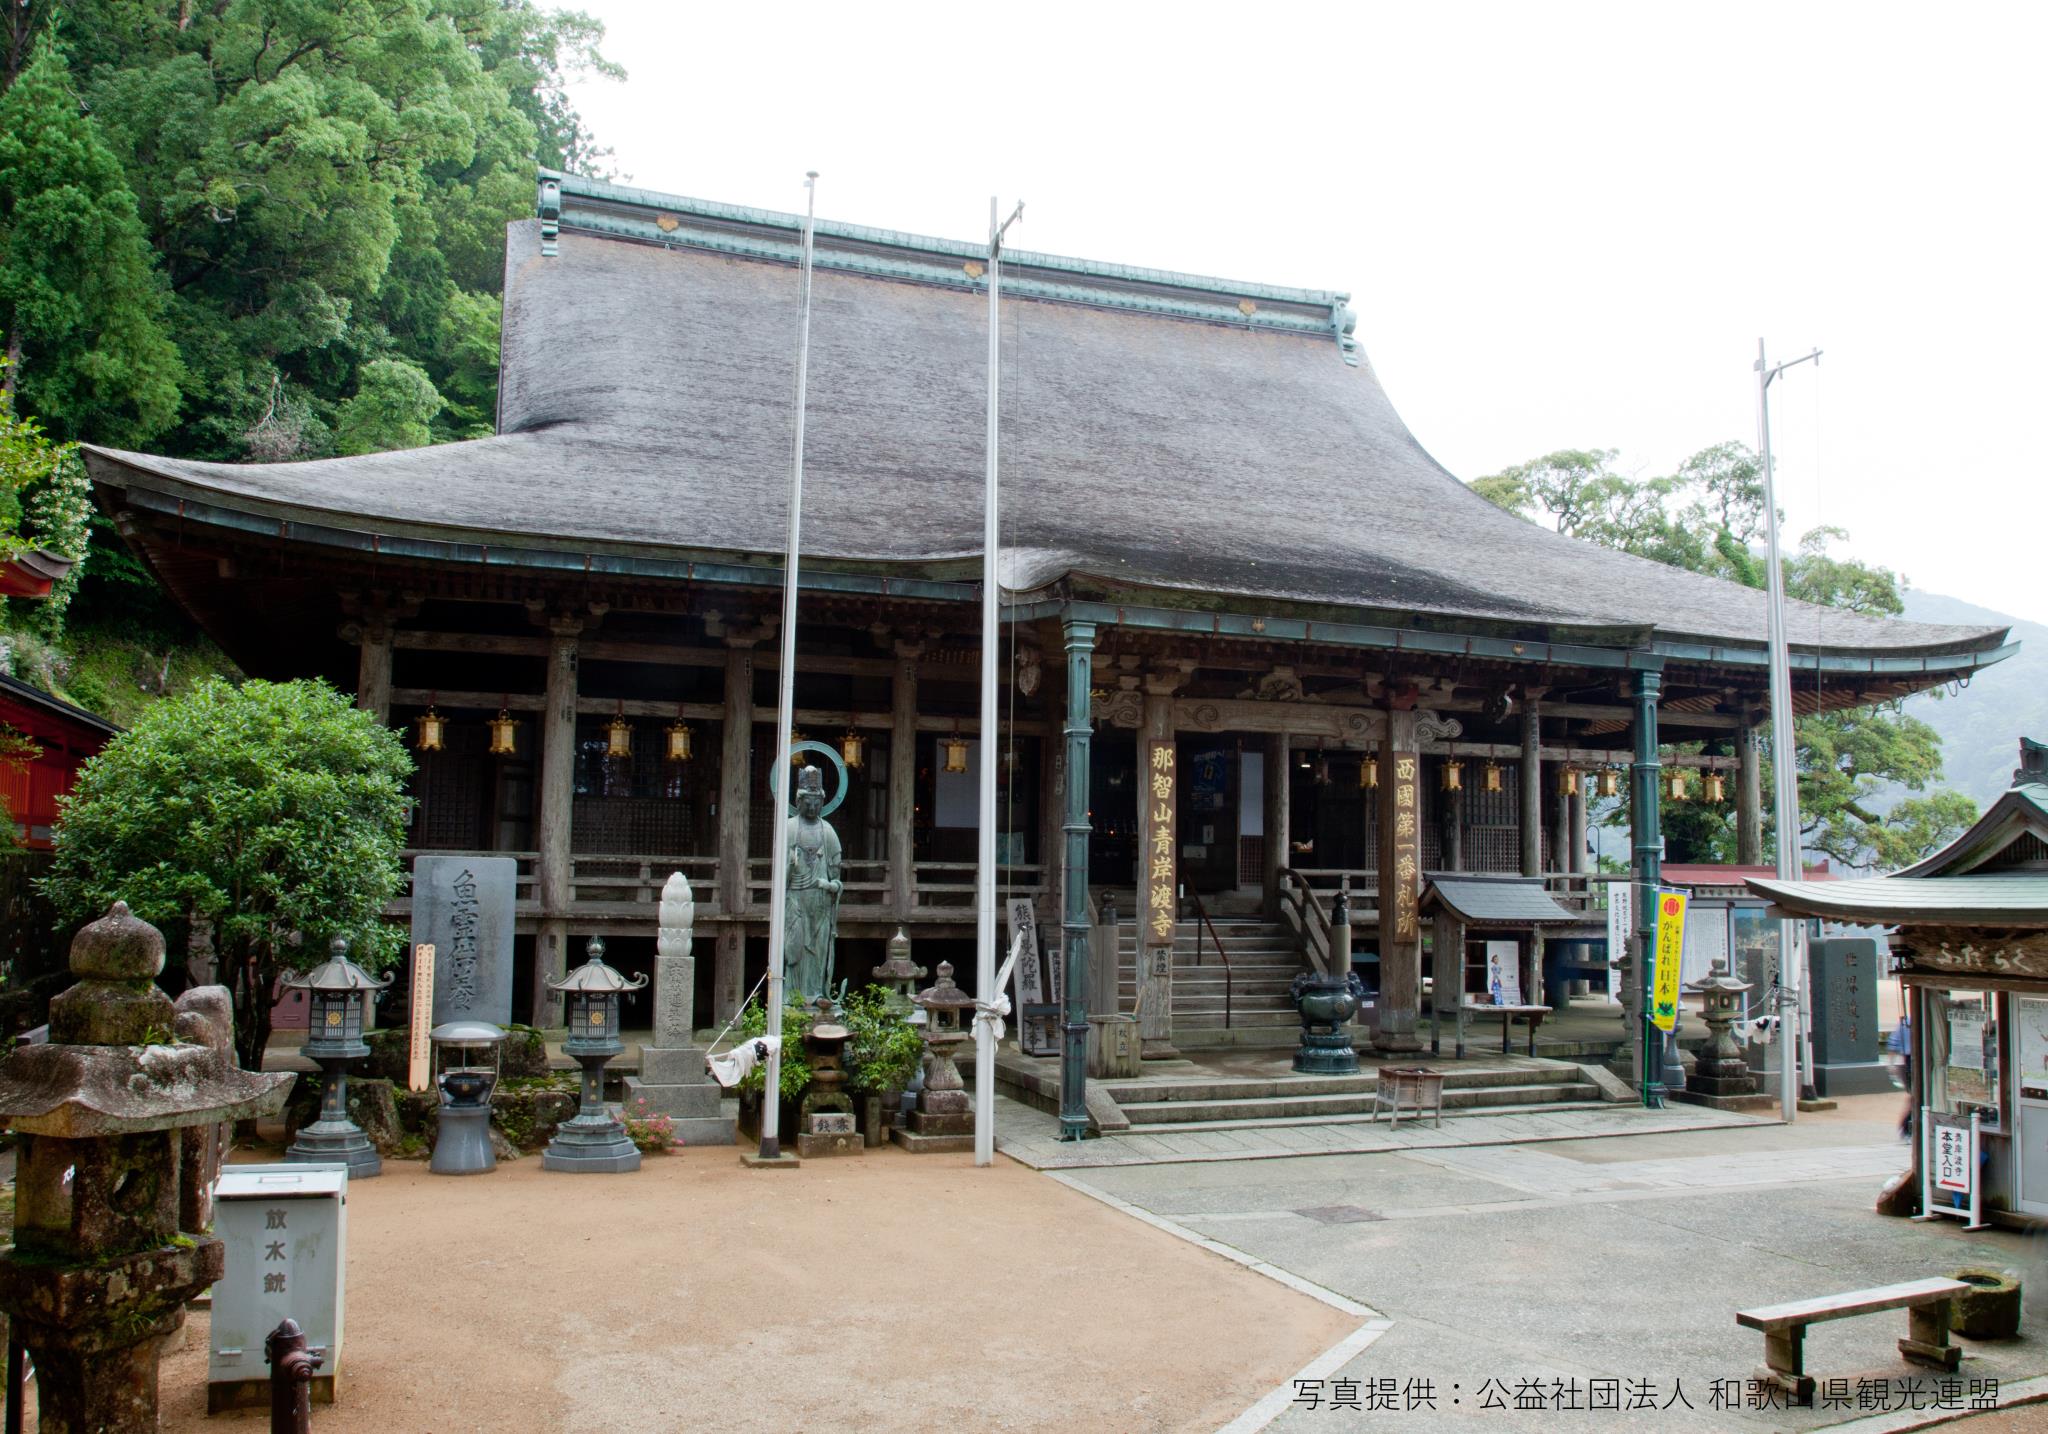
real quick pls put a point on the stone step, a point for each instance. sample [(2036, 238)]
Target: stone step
[(1196, 1127), (1307, 1107), (1253, 1087)]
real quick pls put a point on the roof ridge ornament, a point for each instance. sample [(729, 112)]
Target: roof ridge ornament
[(550, 206)]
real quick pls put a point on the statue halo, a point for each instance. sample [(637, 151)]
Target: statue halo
[(831, 754)]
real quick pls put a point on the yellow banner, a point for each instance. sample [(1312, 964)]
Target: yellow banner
[(1670, 946)]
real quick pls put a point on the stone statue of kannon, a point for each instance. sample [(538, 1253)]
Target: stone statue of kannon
[(811, 910)]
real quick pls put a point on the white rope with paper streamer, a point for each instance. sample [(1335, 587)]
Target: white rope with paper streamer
[(990, 1011)]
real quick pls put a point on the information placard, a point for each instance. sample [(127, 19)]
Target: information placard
[(419, 1071)]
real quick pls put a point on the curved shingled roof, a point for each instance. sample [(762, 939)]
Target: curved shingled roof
[(1158, 432)]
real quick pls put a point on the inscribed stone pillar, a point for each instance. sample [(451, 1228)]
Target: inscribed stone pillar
[(735, 759), (903, 782), (1749, 798), (373, 669), (672, 1080), (1080, 646), (553, 869), (1532, 790), (1279, 817), (1158, 881), (1400, 886)]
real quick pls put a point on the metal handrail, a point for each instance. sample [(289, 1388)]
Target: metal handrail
[(1229, 974)]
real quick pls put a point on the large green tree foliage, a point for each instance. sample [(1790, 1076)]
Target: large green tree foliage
[(81, 304), (1707, 517), (274, 810)]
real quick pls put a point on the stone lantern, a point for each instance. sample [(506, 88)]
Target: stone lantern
[(825, 1119), (337, 991), (100, 1270), (1721, 1077), (944, 1117), (900, 975), (592, 1141)]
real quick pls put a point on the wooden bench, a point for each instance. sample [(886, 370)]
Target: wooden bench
[(1533, 1014), (1927, 1303)]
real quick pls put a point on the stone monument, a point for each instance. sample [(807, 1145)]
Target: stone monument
[(811, 910), (825, 1119), (103, 1261), (462, 907), (672, 1080)]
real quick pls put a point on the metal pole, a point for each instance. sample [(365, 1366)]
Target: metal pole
[(1649, 874), (1784, 755), (985, 855), (785, 703)]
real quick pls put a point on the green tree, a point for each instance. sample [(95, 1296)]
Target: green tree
[(80, 301), (393, 403), (1705, 518), (275, 810)]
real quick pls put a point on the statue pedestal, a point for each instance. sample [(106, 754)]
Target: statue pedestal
[(674, 1083)]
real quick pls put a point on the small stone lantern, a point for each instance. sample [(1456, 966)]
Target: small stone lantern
[(462, 1125), (825, 1123), (944, 1117), (1720, 1077), (593, 1141), (99, 1271), (338, 992)]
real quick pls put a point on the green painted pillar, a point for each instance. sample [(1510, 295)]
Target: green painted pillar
[(1080, 638), (1649, 866)]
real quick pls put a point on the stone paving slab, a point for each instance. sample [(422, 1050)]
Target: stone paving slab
[(1031, 1136)]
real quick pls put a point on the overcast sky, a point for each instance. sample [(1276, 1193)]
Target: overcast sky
[(1561, 225)]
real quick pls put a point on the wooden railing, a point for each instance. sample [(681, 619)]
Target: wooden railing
[(603, 876), (524, 880), (1302, 909), (862, 883)]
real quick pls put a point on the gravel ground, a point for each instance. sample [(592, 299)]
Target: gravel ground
[(700, 1295)]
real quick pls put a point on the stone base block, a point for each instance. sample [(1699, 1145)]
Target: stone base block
[(675, 1065), (1752, 1104), (920, 1144), (942, 1122), (1708, 1082), (591, 1146), (336, 1143), (811, 1144), (784, 1161), (1868, 1078), (1326, 1055), (693, 1108), (718, 1130)]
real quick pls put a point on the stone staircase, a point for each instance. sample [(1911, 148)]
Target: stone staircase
[(1264, 958), (1523, 1087)]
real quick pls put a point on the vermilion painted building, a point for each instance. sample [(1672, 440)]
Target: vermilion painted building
[(67, 736)]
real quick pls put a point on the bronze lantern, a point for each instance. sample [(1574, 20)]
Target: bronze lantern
[(337, 993), (618, 735), (1490, 775), (956, 752), (853, 749), (679, 736), (433, 730), (1568, 782), (504, 734), (1716, 787), (1369, 772), (1610, 782), (1674, 784), (1453, 775)]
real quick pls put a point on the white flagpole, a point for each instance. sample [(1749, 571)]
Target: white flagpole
[(985, 857), (785, 701)]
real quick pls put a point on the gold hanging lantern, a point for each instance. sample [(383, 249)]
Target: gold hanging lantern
[(1322, 766), (679, 737), (1453, 776), (618, 735), (504, 734), (1490, 773), (796, 740), (1368, 772), (1568, 782), (1610, 782), (433, 729), (1717, 787), (1674, 785), (853, 749), (956, 752)]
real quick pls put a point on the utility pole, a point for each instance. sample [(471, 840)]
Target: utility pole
[(1784, 763), (985, 857)]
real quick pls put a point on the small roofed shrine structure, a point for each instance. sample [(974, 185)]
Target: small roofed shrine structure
[(1486, 952), (1971, 943), (1254, 638)]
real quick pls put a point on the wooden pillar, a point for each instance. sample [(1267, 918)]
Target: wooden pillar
[(1749, 798), (1561, 829), (728, 969), (1532, 790), (373, 667), (1447, 976), (1158, 878), (1400, 886), (903, 782), (1074, 916), (1454, 827), (1279, 818), (553, 872), (1576, 824)]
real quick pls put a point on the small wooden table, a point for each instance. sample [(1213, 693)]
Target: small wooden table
[(1506, 1014), (1928, 1306), (1417, 1087)]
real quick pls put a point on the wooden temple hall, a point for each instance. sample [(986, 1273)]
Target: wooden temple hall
[(1255, 640)]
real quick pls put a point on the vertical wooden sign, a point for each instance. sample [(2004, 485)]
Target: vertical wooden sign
[(419, 1071), (1161, 903), (1405, 799)]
